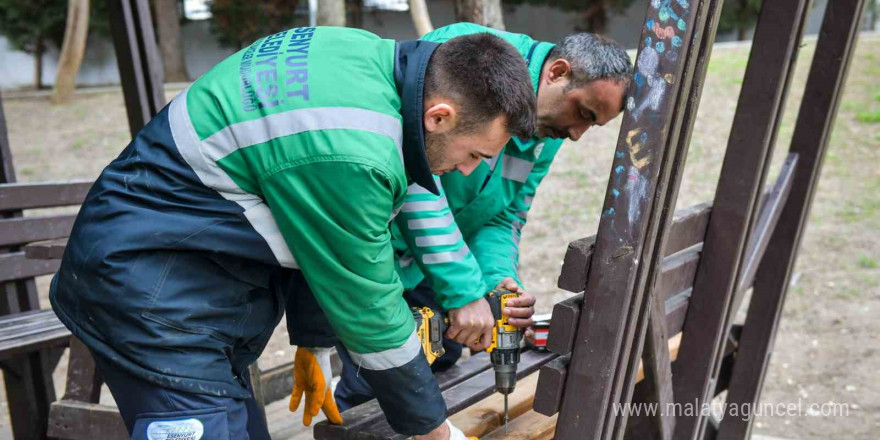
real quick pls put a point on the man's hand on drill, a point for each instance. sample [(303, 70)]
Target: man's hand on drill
[(520, 310), (471, 325)]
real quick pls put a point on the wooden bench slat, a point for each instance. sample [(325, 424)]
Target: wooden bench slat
[(58, 337), (28, 330), (71, 419), (15, 266), (46, 250), (30, 229), (364, 414), (18, 196), (14, 319), (677, 275), (460, 396), (687, 229)]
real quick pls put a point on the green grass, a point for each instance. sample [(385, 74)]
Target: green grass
[(869, 117), (867, 262)]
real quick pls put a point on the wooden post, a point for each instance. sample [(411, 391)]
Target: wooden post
[(815, 120), (140, 66), (759, 110), (634, 218)]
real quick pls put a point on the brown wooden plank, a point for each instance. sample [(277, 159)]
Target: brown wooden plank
[(138, 59), (15, 196), (7, 170), (771, 209), (678, 271), (573, 276), (362, 415), (486, 415), (774, 51), (83, 380), (15, 266), (684, 118), (46, 250), (18, 231), (688, 229), (462, 395), (75, 420), (657, 369), (529, 426), (677, 275), (834, 51), (8, 321), (563, 324), (676, 310), (608, 341), (551, 386)]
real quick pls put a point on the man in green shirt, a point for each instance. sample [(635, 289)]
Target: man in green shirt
[(288, 159), (453, 247)]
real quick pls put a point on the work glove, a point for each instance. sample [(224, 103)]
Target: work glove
[(312, 376), (457, 434)]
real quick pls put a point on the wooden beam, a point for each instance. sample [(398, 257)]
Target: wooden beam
[(677, 276), (355, 419), (75, 420), (759, 110), (551, 385), (15, 266), (140, 66), (529, 426), (688, 229), (486, 415), (771, 209), (43, 195), (834, 51), (461, 396), (18, 231)]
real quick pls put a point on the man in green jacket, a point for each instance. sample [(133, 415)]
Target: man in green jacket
[(286, 160), (453, 247)]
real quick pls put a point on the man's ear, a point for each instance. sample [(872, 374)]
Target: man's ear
[(557, 70), (440, 117)]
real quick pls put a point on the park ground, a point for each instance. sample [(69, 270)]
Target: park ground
[(828, 346)]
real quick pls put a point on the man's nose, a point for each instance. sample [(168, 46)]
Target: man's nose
[(468, 167), (575, 133)]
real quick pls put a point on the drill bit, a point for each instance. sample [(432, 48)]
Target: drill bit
[(506, 415)]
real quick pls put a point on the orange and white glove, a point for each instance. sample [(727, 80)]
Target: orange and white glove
[(312, 376)]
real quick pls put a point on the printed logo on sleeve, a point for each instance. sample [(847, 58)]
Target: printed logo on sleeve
[(189, 429)]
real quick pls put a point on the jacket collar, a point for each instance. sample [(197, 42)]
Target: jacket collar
[(410, 65)]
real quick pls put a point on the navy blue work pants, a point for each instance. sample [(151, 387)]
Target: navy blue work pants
[(153, 412)]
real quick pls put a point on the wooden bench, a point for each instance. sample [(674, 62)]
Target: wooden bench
[(31, 340)]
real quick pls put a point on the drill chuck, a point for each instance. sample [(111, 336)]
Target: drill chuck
[(505, 378)]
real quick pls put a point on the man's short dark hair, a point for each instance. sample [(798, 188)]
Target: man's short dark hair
[(486, 77), (593, 57)]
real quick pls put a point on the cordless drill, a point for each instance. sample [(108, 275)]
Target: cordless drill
[(430, 327), (504, 351)]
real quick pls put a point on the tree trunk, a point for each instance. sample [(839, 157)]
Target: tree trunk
[(469, 10), (492, 14), (170, 40), (72, 50), (331, 13), (420, 16), (39, 48), (482, 12), (742, 34), (596, 18)]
